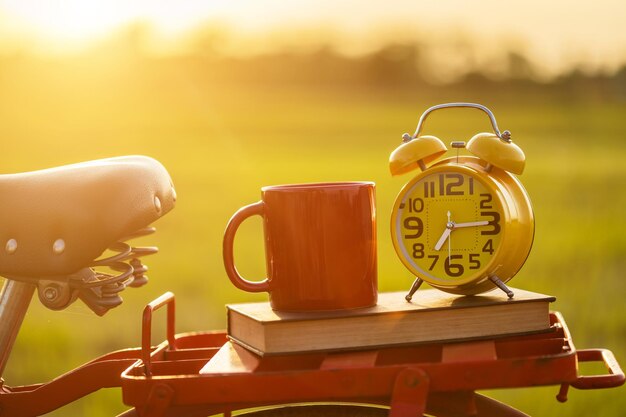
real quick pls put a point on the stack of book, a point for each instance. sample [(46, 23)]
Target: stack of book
[(432, 316)]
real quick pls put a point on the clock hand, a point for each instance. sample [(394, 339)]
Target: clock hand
[(450, 247), (443, 238), (470, 224), (446, 233), (450, 226)]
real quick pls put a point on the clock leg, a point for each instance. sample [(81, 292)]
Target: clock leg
[(501, 285), (414, 287)]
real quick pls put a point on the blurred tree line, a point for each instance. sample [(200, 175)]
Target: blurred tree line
[(394, 67)]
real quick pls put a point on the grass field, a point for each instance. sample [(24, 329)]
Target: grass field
[(221, 144)]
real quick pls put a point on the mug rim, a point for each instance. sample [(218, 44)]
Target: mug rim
[(318, 185)]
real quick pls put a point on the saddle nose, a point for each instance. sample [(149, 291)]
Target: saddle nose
[(54, 222)]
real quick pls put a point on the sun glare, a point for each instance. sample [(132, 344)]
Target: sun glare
[(70, 21), (585, 35), (73, 23)]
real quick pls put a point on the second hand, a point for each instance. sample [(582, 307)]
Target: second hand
[(449, 239)]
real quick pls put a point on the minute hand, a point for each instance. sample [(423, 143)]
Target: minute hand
[(471, 224)]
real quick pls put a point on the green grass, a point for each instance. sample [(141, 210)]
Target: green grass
[(222, 144)]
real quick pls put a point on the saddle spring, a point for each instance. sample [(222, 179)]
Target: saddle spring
[(100, 290)]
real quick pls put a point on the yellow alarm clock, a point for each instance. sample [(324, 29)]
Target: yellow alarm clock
[(464, 224)]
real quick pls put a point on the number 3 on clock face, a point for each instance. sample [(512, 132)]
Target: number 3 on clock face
[(448, 226)]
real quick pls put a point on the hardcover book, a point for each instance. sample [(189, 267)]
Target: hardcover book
[(432, 316)]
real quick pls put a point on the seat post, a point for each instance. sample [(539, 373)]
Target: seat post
[(14, 301)]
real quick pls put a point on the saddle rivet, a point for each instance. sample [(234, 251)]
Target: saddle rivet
[(157, 204), (11, 246), (58, 247)]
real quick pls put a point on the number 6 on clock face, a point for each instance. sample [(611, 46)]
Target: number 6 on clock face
[(455, 225)]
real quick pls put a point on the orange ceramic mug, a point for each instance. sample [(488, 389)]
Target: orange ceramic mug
[(320, 246)]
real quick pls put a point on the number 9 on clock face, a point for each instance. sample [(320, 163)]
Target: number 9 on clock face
[(450, 225)]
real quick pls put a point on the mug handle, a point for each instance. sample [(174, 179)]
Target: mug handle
[(227, 249)]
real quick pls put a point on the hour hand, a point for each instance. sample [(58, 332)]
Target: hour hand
[(443, 238)]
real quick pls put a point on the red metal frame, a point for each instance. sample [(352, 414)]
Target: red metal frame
[(404, 378), (168, 300), (37, 399), (166, 380)]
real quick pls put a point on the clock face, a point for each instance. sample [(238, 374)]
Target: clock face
[(447, 226)]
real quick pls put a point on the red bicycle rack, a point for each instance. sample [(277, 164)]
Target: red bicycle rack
[(438, 378), (410, 380)]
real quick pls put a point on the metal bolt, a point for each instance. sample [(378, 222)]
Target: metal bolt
[(412, 381), (50, 293), (161, 392), (11, 246)]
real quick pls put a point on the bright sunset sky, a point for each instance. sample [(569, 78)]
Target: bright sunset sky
[(556, 34)]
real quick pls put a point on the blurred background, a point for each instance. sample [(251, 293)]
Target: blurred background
[(234, 95)]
